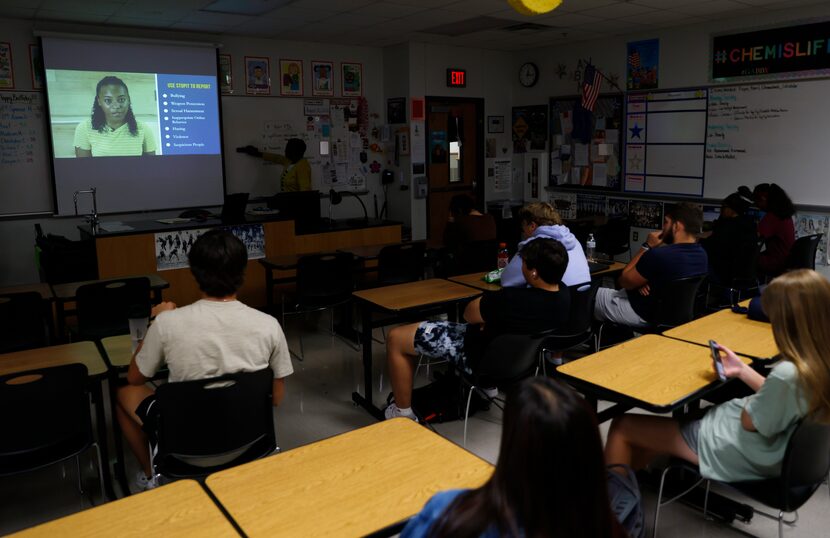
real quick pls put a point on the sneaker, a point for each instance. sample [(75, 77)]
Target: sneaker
[(491, 393), (393, 411), (142, 483)]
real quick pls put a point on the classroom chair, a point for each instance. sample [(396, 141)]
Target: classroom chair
[(402, 263), (104, 308), (46, 420), (613, 237), (740, 277), (25, 321), (675, 305), (508, 359), (324, 281), (474, 257), (62, 260), (223, 421), (805, 467), (579, 330), (803, 253)]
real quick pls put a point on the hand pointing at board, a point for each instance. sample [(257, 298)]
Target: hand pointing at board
[(296, 175)]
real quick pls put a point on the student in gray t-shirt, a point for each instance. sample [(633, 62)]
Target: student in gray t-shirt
[(745, 438), (214, 336)]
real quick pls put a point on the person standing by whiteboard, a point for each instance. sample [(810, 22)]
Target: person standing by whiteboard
[(296, 174), (113, 130)]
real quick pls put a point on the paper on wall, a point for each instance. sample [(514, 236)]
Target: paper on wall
[(580, 154), (567, 122), (600, 177), (555, 165), (501, 176)]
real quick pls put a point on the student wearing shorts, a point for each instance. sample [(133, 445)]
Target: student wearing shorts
[(543, 305), (214, 336)]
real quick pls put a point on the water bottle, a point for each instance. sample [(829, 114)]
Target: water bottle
[(590, 247), (503, 257)]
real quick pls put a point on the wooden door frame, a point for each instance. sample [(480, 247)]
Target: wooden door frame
[(478, 188)]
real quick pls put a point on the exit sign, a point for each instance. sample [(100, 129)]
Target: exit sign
[(456, 78)]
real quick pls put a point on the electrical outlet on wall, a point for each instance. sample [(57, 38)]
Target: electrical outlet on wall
[(635, 236)]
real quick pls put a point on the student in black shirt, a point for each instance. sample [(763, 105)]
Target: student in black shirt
[(733, 236), (542, 306)]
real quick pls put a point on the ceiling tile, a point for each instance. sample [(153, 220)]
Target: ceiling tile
[(299, 15), (658, 17), (199, 27), (356, 19), (423, 3), (615, 11), (141, 22), (477, 7), (75, 16), (581, 5), (80, 7), (665, 4), (150, 10), (390, 11), (566, 20), (264, 27), (18, 12), (225, 20), (332, 5), (616, 27), (713, 8)]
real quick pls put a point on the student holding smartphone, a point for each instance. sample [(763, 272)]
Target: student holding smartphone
[(745, 438)]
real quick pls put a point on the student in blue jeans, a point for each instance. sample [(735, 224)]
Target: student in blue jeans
[(550, 478)]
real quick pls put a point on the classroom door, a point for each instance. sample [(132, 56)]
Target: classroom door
[(455, 164)]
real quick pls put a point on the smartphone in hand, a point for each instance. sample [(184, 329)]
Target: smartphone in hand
[(713, 347)]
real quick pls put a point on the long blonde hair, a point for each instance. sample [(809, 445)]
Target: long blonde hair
[(798, 306)]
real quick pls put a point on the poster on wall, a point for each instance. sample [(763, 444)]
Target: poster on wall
[(438, 149), (173, 247), (647, 215), (565, 204), (321, 78), (642, 63), (396, 110), (6, 68), (530, 128), (225, 73), (801, 48), (807, 224), (351, 79), (257, 75), (617, 207), (291, 77)]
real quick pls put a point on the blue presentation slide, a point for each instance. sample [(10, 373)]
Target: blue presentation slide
[(188, 115)]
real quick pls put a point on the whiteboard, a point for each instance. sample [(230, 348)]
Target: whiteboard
[(770, 132), (25, 176)]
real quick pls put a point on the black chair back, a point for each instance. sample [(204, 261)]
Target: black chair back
[(25, 321), (509, 358), (104, 308), (743, 266), (324, 279), (62, 260), (803, 253), (214, 417), (675, 301), (582, 298), (401, 263), (45, 418), (613, 236), (806, 462), (475, 257)]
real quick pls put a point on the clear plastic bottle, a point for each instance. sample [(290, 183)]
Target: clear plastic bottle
[(503, 257), (590, 247)]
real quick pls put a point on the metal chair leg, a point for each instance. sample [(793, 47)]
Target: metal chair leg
[(659, 502), (467, 413), (78, 469), (101, 470)]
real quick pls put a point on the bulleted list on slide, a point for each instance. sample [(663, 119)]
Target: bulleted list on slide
[(188, 115)]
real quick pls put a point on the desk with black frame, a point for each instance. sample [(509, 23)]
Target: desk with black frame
[(406, 302)]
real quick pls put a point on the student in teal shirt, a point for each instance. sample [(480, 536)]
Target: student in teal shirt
[(746, 438)]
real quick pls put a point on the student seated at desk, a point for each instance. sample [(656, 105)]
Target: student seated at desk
[(776, 228), (541, 220), (745, 438), (550, 478), (214, 336), (540, 307), (466, 223), (730, 231), (667, 255)]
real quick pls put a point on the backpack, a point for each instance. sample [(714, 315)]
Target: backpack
[(443, 400), (626, 501)]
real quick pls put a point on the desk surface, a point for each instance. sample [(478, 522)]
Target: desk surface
[(416, 294), (348, 485), (45, 357), (69, 290), (119, 350), (735, 331), (654, 371), (178, 509), (475, 280), (371, 252), (615, 267), (40, 287)]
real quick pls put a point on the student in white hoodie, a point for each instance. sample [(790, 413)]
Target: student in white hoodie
[(540, 219)]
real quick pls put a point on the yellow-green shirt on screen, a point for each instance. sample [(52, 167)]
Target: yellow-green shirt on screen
[(295, 177), (114, 142)]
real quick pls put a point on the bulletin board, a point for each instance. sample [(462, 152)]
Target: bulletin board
[(597, 165)]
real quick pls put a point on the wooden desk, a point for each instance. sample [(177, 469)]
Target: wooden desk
[(42, 288), (76, 353), (178, 509), (612, 271), (405, 302), (735, 331), (348, 485), (118, 350), (650, 372), (475, 280)]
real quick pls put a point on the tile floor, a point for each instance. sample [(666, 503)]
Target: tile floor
[(318, 405)]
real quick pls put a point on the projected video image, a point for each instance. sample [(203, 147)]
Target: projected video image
[(112, 114)]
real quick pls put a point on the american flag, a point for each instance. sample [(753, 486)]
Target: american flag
[(634, 59), (591, 84)]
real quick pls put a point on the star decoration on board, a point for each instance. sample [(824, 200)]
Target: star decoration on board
[(635, 163), (561, 70), (374, 167), (635, 131)]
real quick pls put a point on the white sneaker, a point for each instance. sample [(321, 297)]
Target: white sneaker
[(393, 411), (491, 393), (142, 483)]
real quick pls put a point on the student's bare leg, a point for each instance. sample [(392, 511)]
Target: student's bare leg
[(128, 399), (636, 440), (400, 359)]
